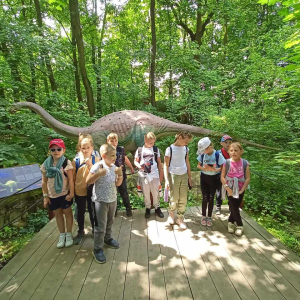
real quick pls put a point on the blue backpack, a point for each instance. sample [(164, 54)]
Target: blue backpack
[(78, 165), (217, 155)]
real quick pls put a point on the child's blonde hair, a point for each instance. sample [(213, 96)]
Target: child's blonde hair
[(106, 148), (83, 136), (112, 136), (183, 135), (150, 136), (236, 144)]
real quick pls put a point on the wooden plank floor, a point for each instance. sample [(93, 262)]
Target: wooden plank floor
[(157, 261)]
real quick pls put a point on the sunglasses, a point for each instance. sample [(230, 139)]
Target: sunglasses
[(55, 149)]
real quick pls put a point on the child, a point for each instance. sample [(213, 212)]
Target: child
[(210, 163), (82, 164), (105, 176), (58, 189), (178, 176), (226, 141), (112, 139), (147, 160), (235, 178)]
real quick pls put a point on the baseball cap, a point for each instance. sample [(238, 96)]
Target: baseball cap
[(202, 145), (225, 138), (58, 142)]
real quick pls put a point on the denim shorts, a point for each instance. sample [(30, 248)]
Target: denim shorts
[(59, 202)]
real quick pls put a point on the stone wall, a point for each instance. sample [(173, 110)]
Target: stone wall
[(13, 206)]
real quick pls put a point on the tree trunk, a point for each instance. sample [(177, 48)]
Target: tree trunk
[(75, 23), (153, 53), (76, 73), (44, 53)]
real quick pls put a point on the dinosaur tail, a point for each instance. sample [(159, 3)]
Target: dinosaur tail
[(65, 130), (172, 127)]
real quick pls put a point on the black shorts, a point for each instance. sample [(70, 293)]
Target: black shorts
[(59, 202)]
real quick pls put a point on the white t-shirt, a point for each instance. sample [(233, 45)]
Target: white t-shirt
[(148, 162), (178, 163), (105, 187)]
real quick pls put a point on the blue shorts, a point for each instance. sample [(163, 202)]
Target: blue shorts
[(59, 202)]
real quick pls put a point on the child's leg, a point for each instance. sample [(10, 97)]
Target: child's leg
[(205, 193), (146, 192), (219, 193), (89, 205), (174, 182), (213, 183), (101, 212), (154, 187), (69, 218), (81, 204), (60, 220), (235, 210), (124, 194), (183, 191), (110, 219)]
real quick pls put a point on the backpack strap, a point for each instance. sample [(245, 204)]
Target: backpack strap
[(155, 150), (93, 159), (227, 166), (202, 159), (217, 155), (65, 163), (140, 153), (245, 164), (186, 152), (170, 155)]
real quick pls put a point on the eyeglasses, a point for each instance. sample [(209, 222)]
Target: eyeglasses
[(55, 149)]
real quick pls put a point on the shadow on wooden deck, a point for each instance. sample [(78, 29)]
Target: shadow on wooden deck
[(157, 261)]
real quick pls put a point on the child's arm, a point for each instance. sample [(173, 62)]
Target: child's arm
[(247, 181), (189, 169), (223, 180), (128, 164), (93, 177), (137, 163), (119, 176), (45, 189), (166, 171), (71, 185), (160, 169)]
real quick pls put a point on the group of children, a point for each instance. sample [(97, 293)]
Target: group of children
[(94, 180)]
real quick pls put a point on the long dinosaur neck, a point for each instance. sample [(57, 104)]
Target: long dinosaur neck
[(65, 130)]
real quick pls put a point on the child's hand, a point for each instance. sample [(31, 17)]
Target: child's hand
[(102, 172), (190, 182), (132, 170), (241, 192), (118, 171), (88, 161), (46, 201), (69, 197), (167, 185), (230, 192)]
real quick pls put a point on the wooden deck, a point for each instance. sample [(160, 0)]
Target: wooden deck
[(157, 261)]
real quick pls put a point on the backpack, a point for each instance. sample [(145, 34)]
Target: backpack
[(65, 163), (155, 150), (186, 153), (78, 165), (217, 155), (121, 150), (227, 166)]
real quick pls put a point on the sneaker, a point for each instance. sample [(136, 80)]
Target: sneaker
[(159, 212), (209, 222), (128, 212), (239, 230), (218, 211), (147, 213), (61, 241), (171, 219), (203, 221), (112, 243), (99, 256), (78, 239), (69, 239), (181, 223), (231, 227)]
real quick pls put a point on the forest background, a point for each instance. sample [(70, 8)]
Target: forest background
[(227, 65)]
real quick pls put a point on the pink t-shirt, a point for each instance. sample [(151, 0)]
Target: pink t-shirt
[(236, 170)]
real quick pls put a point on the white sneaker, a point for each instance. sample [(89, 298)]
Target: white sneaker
[(69, 239), (61, 241), (181, 223), (171, 220), (239, 230), (231, 227)]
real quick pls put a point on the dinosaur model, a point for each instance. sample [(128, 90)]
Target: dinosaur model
[(130, 125)]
